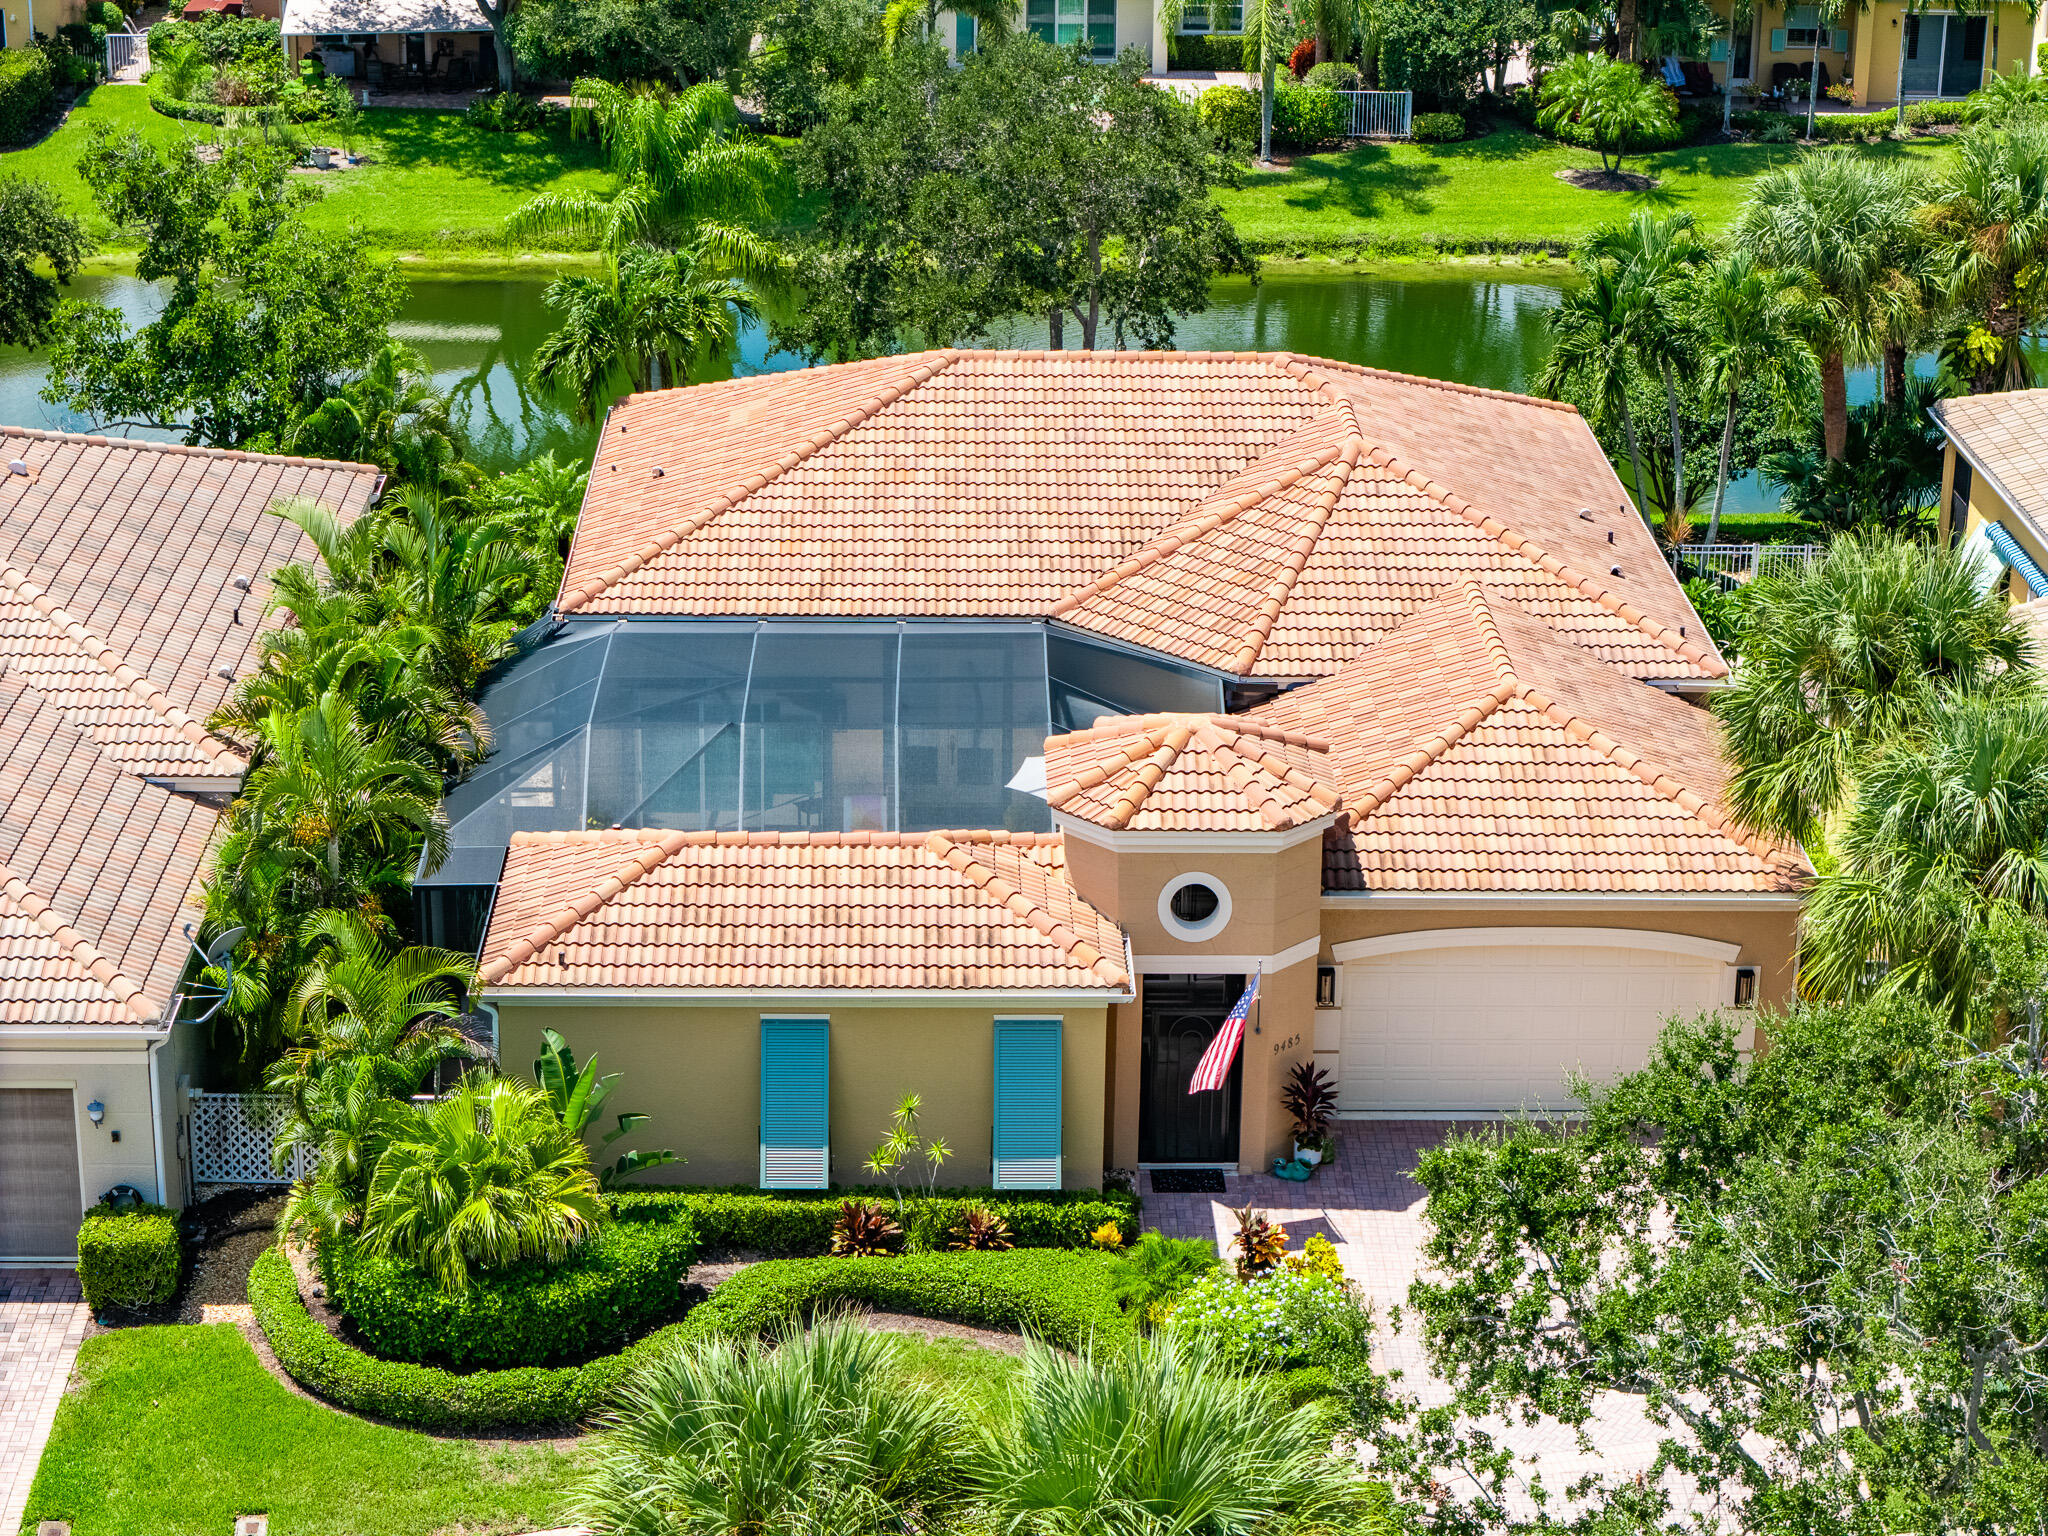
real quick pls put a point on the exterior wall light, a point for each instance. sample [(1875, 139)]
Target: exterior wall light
[(96, 1111)]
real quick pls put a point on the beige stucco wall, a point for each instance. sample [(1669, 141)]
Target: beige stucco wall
[(1987, 506), (116, 1073), (695, 1071)]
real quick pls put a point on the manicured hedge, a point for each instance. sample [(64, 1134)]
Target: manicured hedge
[(1231, 113), (1062, 1297), (1929, 114), (1205, 52), (613, 1288), (1306, 115), (188, 111), (1436, 127), (26, 81), (128, 1258), (1842, 127), (794, 1226)]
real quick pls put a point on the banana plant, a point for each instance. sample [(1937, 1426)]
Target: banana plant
[(577, 1094)]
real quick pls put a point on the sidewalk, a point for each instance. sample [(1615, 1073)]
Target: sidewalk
[(42, 1320)]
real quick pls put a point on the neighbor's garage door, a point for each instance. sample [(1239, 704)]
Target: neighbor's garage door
[(1495, 1027), (39, 1199)]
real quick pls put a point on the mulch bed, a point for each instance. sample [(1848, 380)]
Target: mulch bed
[(1606, 181)]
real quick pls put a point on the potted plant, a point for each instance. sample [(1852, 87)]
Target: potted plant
[(1310, 1099)]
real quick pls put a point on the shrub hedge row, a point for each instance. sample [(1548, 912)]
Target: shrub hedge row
[(128, 1258), (612, 1288), (1205, 52), (1063, 1297), (26, 81), (1436, 127), (741, 1218)]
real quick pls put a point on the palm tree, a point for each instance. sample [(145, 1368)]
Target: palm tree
[(815, 1431), (1989, 218), (1949, 833), (338, 813), (392, 416), (1593, 334), (993, 19), (1747, 333), (343, 1119), (1657, 256), (651, 315), (1163, 1436), (542, 498), (1847, 226), (1861, 650), (482, 1178), (687, 177), (1610, 100)]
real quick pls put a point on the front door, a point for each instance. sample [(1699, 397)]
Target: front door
[(1741, 65), (1182, 1015)]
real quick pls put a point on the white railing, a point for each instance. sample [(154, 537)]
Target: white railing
[(1380, 114), (1735, 563), (232, 1134), (124, 51)]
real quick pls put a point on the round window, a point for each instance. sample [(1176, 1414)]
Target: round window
[(1194, 906)]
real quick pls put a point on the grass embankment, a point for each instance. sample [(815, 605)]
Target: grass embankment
[(433, 184), (1496, 192)]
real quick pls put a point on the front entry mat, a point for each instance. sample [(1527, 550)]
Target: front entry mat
[(1187, 1181)]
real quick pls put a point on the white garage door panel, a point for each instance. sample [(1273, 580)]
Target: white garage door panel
[(1497, 1027)]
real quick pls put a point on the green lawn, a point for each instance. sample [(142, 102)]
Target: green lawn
[(1500, 189), (433, 184), (179, 1429)]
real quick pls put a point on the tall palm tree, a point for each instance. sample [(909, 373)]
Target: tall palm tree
[(687, 177), (651, 315), (1949, 831), (1746, 330), (1593, 334), (1988, 215), (1864, 649), (1657, 255), (1847, 226)]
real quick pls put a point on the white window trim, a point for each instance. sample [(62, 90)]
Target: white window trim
[(1208, 927)]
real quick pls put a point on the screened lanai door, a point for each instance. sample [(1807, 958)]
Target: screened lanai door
[(1944, 55)]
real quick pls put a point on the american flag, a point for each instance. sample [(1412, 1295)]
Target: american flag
[(1214, 1068)]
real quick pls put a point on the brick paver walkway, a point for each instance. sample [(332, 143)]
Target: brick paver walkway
[(42, 1320), (1371, 1208)]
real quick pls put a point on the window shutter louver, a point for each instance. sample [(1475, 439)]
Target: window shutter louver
[(1777, 39), (795, 1104), (1026, 1151)]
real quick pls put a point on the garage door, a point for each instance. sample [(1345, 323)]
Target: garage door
[(1494, 1026), (39, 1199)]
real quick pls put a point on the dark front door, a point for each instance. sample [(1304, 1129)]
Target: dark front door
[(1182, 1015)]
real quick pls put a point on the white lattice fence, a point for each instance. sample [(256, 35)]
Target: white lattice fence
[(232, 1134)]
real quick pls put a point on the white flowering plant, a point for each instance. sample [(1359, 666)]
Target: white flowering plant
[(1282, 1319)]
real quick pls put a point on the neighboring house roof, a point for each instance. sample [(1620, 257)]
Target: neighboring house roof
[(683, 911), (2005, 437), (1262, 514), (1479, 750), (118, 616), (1189, 773), (328, 18)]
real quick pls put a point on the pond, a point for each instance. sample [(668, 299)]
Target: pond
[(1481, 326)]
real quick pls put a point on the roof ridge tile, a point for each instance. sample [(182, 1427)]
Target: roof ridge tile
[(145, 445), (654, 852), (990, 882)]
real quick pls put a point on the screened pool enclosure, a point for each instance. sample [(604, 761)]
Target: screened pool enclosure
[(699, 725)]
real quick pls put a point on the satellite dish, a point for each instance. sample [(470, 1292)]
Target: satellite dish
[(220, 949)]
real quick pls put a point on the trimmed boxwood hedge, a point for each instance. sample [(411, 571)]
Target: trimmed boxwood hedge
[(1063, 1297), (128, 1258), (611, 1289), (742, 1218), (26, 81)]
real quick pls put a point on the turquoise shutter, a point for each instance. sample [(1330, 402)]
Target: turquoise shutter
[(1718, 54), (1026, 1150), (1777, 39), (795, 1103)]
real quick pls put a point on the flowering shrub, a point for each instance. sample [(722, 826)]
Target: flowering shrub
[(1286, 1318)]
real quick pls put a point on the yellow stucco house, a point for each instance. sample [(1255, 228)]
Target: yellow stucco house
[(1936, 51), (1994, 486)]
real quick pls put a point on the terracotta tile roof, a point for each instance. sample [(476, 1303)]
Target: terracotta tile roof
[(2006, 435), (1477, 749), (940, 911), (117, 617), (1184, 772), (1311, 505)]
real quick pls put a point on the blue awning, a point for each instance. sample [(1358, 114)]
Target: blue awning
[(2010, 551)]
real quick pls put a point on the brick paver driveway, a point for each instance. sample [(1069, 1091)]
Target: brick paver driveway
[(42, 1320), (1370, 1207)]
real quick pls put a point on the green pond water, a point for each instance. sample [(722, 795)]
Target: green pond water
[(1479, 326)]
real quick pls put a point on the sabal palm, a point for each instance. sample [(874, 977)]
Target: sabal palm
[(337, 811), (1592, 336), (482, 1178), (1657, 255), (818, 1434), (1948, 828), (686, 174), (1866, 648), (1162, 1437), (1849, 228), (1988, 214), (651, 315), (1746, 331)]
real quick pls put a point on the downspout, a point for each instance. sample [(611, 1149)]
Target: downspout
[(156, 1108)]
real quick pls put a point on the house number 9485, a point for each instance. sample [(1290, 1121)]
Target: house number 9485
[(1286, 1045)]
